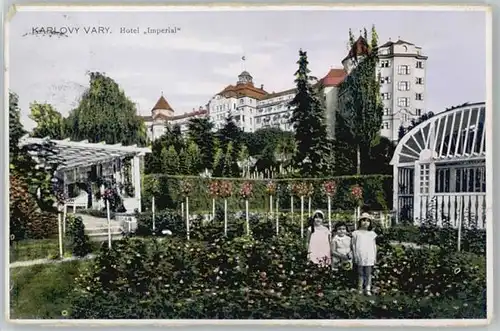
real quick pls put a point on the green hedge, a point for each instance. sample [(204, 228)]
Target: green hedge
[(250, 278), (377, 192)]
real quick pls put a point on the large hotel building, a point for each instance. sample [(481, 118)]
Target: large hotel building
[(401, 68)]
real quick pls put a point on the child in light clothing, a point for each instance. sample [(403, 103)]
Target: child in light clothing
[(364, 249), (319, 249), (341, 245)]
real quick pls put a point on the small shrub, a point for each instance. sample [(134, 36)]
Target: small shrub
[(80, 243), (27, 221)]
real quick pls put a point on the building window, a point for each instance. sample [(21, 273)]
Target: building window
[(386, 96), (420, 65), (404, 70), (385, 64), (403, 102), (404, 116), (419, 80), (418, 112), (386, 80), (387, 111), (419, 96), (385, 125), (404, 85), (241, 101)]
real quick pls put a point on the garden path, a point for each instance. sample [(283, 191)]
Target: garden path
[(29, 263)]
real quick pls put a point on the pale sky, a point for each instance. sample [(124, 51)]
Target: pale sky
[(202, 58)]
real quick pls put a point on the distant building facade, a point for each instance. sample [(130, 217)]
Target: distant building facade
[(402, 73), (254, 108), (240, 100), (162, 115)]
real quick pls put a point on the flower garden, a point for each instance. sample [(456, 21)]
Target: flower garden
[(253, 264)]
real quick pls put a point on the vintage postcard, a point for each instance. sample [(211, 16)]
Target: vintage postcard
[(318, 165)]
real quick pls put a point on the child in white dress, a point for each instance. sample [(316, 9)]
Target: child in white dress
[(341, 246), (319, 249), (364, 250)]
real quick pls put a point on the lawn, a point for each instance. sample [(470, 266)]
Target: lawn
[(27, 250), (43, 291)]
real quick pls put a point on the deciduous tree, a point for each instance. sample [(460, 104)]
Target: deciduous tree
[(105, 113), (49, 122), (362, 109)]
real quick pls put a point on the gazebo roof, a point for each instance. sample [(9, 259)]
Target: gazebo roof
[(77, 154), (457, 135)]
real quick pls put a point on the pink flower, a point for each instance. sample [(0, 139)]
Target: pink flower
[(186, 187), (214, 189), (225, 189), (330, 188), (271, 187), (357, 192), (246, 190)]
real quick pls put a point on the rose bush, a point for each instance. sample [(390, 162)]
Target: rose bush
[(268, 276)]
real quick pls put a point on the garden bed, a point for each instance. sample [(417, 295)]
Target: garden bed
[(269, 276)]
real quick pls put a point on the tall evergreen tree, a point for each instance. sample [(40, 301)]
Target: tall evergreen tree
[(401, 132), (177, 137), (230, 133), (183, 162), (229, 161), (105, 113), (285, 150), (171, 137), (193, 159), (351, 38), (200, 131), (218, 166), (244, 160), (170, 161), (308, 119)]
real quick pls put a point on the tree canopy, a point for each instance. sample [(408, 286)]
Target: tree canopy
[(361, 109), (49, 122), (105, 113)]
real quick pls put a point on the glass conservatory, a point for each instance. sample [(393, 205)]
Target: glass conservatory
[(440, 169)]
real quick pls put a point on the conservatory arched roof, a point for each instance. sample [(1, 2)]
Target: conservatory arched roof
[(77, 154), (453, 135)]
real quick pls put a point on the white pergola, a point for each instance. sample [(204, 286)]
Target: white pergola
[(77, 155), (439, 169)]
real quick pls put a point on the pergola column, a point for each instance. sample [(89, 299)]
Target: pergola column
[(136, 179), (395, 192), (416, 193)]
